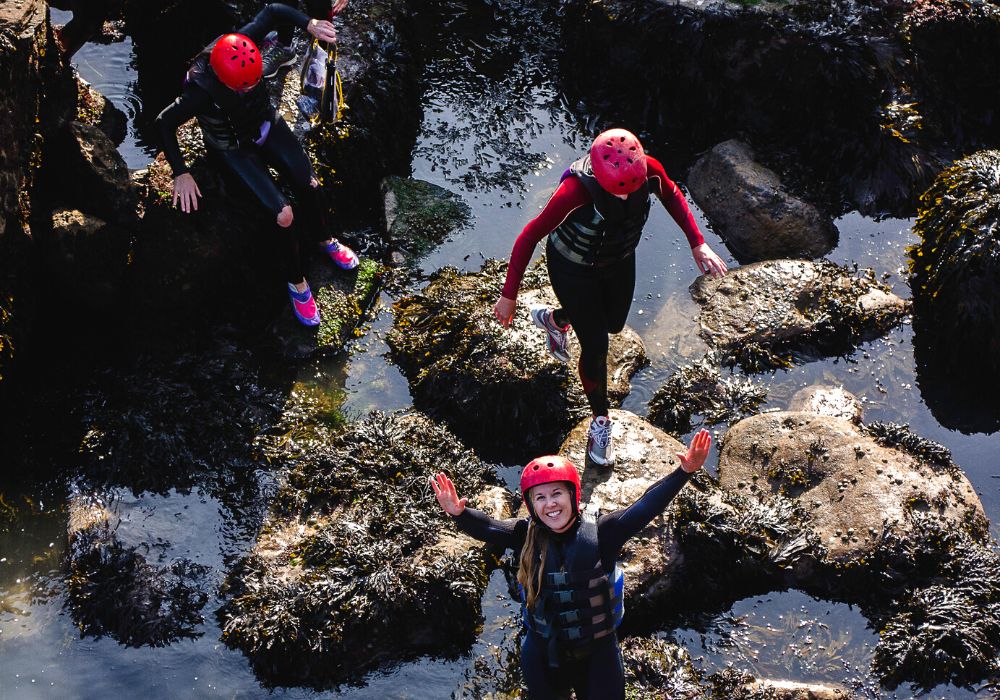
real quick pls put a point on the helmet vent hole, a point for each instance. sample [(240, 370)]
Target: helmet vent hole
[(631, 148), (621, 184), (551, 464), (606, 156), (535, 468), (622, 139)]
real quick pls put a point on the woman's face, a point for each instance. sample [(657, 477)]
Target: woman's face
[(553, 504)]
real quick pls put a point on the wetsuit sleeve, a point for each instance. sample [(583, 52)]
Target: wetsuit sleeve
[(570, 195), (615, 529), (673, 201), (270, 18), (478, 524), (192, 101)]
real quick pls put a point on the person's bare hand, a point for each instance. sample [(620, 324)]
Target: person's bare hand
[(707, 261), (504, 310), (186, 192), (447, 497), (697, 452), (323, 30), (337, 7)]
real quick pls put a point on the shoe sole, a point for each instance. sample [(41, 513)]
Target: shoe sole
[(536, 317), (589, 461), (278, 68)]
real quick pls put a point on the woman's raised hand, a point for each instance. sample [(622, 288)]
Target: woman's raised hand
[(697, 452), (322, 30), (447, 497), (186, 192), (504, 310)]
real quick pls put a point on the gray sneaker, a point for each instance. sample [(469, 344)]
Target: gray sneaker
[(600, 451), (276, 56), (558, 338)]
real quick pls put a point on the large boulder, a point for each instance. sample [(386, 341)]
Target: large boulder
[(774, 313), (752, 212), (955, 278), (497, 388), (357, 565)]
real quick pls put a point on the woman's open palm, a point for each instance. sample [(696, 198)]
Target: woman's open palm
[(447, 497)]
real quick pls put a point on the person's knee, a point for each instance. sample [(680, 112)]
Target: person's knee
[(285, 217)]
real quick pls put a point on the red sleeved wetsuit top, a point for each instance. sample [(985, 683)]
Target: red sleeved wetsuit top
[(571, 195)]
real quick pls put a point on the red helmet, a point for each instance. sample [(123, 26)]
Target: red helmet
[(236, 61), (545, 470), (618, 161)]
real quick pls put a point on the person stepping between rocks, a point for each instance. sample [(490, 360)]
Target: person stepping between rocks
[(244, 132), (568, 574), (594, 222)]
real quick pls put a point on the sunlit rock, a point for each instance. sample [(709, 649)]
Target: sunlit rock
[(776, 313), (833, 401), (497, 388), (94, 109), (357, 565), (752, 212), (737, 685), (955, 278)]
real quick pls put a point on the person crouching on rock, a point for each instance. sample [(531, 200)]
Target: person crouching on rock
[(241, 128), (594, 221), (570, 582)]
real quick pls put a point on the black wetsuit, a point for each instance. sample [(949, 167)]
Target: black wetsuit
[(599, 675), (247, 158), (320, 9)]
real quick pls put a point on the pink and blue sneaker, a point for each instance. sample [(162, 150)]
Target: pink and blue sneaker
[(343, 256), (304, 306)]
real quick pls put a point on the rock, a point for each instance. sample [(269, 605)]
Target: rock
[(94, 109), (833, 401), (112, 589), (699, 388), (87, 260), (656, 668), (357, 565), (465, 369), (419, 215), (751, 211), (772, 313), (855, 489), (736, 685), (92, 175), (955, 278), (644, 455)]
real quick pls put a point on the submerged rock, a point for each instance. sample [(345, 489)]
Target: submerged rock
[(751, 211), (955, 278), (357, 565), (497, 388), (113, 590), (419, 214), (833, 401), (699, 388), (774, 313)]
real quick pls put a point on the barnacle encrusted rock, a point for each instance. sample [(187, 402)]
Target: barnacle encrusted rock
[(357, 565), (770, 314), (834, 401), (751, 211), (466, 369), (955, 278)]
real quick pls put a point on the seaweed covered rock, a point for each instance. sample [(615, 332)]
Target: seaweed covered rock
[(655, 668), (466, 369), (833, 401), (856, 485), (357, 565), (700, 388), (953, 43), (955, 278), (419, 214), (774, 313), (751, 211), (113, 590)]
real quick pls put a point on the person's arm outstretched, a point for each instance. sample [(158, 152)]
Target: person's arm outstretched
[(277, 14), (676, 205), (616, 528), (472, 522)]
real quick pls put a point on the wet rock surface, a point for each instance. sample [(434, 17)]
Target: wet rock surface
[(655, 668), (833, 401), (955, 278), (419, 214), (704, 389), (357, 565), (87, 258), (466, 369), (94, 109), (775, 313), (743, 686), (752, 212)]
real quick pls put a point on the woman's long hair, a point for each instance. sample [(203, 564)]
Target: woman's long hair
[(531, 567)]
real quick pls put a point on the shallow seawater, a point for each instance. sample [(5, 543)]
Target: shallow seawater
[(495, 130)]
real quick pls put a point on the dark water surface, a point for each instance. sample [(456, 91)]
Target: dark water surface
[(496, 130)]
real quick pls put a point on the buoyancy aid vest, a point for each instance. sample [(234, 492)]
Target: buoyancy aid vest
[(236, 118), (579, 601), (608, 230)]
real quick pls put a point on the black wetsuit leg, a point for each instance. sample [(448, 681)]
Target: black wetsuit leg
[(601, 676), (596, 301), (543, 682)]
